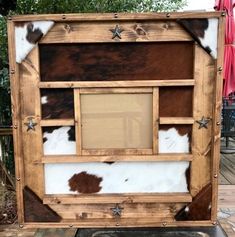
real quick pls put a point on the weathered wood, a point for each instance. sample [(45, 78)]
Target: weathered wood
[(176, 120), (132, 32), (155, 119), (16, 116), (113, 158), (118, 198), (30, 104), (115, 90), (56, 122), (78, 122), (145, 83), (201, 138), (113, 152), (216, 128), (116, 16)]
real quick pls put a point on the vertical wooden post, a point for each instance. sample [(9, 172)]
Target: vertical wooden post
[(216, 128), (16, 120), (155, 119)]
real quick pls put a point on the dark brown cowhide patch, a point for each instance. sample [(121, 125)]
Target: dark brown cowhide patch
[(196, 28), (85, 183), (175, 101), (33, 35), (199, 208), (116, 62), (59, 105), (35, 210)]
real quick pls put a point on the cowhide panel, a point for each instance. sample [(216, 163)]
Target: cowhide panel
[(59, 140), (174, 138), (27, 34), (118, 177), (57, 104), (35, 210), (199, 209), (116, 121), (122, 61), (204, 31), (176, 101)]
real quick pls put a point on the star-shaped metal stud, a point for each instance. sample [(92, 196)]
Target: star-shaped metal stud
[(117, 210), (203, 122), (30, 124), (116, 32)]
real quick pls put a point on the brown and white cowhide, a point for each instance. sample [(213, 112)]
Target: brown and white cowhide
[(27, 35), (204, 31), (59, 141), (117, 177)]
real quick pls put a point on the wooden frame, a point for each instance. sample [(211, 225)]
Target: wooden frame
[(26, 85)]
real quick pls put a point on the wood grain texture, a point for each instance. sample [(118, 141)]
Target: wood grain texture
[(30, 104), (116, 16), (16, 116), (113, 158), (201, 140), (118, 198), (144, 83), (216, 128), (83, 32)]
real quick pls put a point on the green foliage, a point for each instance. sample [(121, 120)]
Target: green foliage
[(82, 6)]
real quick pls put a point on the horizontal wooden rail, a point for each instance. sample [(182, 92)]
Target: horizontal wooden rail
[(99, 84), (115, 17), (123, 222), (115, 90), (117, 198), (130, 158), (176, 120), (57, 122)]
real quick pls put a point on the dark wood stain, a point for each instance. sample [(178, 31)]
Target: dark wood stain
[(175, 101), (199, 208), (33, 35), (35, 210), (85, 183), (60, 104), (116, 61)]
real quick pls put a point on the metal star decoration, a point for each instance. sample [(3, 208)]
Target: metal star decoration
[(203, 122), (116, 32), (30, 124), (117, 210)]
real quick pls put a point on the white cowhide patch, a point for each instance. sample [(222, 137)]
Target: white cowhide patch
[(120, 177), (58, 142), (210, 37), (170, 141), (27, 36)]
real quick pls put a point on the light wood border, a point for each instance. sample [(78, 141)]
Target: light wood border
[(176, 120), (101, 84), (155, 119), (78, 122), (118, 198), (216, 128), (16, 117), (108, 223), (56, 122), (115, 16), (116, 158)]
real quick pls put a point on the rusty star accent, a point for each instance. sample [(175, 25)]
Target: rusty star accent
[(30, 124), (116, 32), (117, 210), (203, 122)]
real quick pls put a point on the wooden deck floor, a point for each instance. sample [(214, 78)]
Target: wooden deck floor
[(227, 162)]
